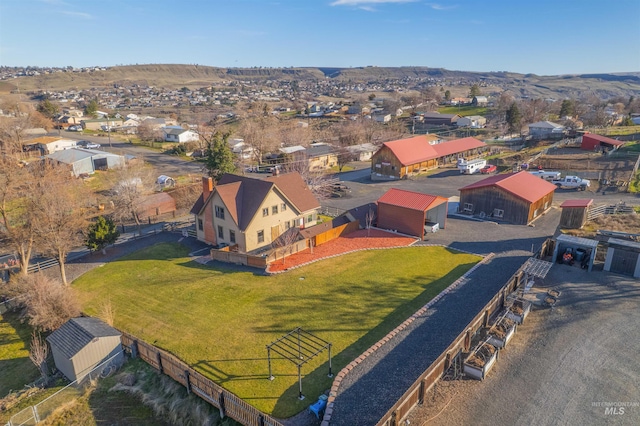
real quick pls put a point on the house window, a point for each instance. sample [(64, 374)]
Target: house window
[(283, 207), (498, 213), (274, 210), (200, 225), (220, 232), (265, 211), (232, 236), (220, 212), (261, 236), (287, 225), (309, 218), (468, 207)]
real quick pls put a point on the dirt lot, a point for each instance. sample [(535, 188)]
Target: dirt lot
[(562, 366), (588, 164)]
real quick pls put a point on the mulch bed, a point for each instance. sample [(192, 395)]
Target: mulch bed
[(358, 240)]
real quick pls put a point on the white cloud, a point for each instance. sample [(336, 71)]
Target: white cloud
[(78, 14), (363, 3), (436, 6)]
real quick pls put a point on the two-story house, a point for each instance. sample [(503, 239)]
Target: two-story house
[(251, 213)]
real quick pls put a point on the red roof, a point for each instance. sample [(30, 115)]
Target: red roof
[(456, 146), (521, 184), (604, 139), (412, 150), (576, 203), (410, 200)]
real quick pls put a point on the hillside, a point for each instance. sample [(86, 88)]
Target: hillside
[(603, 86)]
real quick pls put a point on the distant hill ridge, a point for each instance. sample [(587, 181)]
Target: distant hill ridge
[(603, 85)]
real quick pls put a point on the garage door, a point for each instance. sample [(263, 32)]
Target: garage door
[(624, 262), (100, 164)]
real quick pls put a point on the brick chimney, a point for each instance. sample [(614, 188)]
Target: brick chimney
[(207, 186)]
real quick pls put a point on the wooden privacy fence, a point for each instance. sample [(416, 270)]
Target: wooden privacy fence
[(416, 393), (225, 401), (333, 233)]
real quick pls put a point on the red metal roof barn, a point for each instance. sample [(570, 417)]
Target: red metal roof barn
[(411, 213)]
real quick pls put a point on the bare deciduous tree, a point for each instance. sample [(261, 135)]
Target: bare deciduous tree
[(369, 219), (107, 312), (58, 201), (130, 185), (320, 184), (285, 242), (38, 354), (48, 303)]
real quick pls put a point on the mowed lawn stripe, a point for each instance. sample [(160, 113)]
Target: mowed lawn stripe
[(219, 319)]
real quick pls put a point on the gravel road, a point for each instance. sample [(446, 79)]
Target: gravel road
[(563, 365)]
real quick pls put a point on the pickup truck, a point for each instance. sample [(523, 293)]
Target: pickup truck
[(572, 182)]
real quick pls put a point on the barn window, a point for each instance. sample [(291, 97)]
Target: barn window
[(468, 207), (535, 213), (200, 224), (546, 205), (261, 236), (498, 213), (220, 212), (232, 236), (220, 232)]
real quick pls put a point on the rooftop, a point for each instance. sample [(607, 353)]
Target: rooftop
[(521, 184), (410, 200)]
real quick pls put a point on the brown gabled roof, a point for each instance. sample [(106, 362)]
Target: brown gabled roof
[(521, 184), (243, 195), (296, 190), (457, 146), (412, 150), (576, 203)]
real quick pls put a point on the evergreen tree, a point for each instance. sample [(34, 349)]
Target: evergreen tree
[(514, 118), (567, 108), (101, 234), (91, 108), (48, 108), (447, 95), (219, 158), (474, 91)]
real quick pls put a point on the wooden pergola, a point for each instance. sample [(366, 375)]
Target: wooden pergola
[(299, 347)]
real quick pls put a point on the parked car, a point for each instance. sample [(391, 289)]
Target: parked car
[(489, 168), (74, 128), (88, 144)]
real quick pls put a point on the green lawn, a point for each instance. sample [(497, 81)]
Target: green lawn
[(463, 110), (16, 369), (219, 320)]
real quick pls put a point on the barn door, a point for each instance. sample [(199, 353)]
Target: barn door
[(624, 262)]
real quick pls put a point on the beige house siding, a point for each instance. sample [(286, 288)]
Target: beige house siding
[(323, 162), (227, 224), (267, 223)]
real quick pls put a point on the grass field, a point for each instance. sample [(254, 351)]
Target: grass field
[(16, 369), (220, 319), (463, 110)]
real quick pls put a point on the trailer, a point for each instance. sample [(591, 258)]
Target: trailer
[(546, 175), (471, 167)]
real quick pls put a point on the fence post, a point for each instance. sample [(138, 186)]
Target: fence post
[(134, 349), (159, 358), (421, 393), (221, 404), (187, 380)]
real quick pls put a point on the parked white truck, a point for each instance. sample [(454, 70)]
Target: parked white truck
[(572, 182), (471, 167), (546, 175)]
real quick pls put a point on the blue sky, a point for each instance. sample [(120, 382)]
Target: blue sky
[(545, 37)]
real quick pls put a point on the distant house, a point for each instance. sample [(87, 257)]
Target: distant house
[(249, 214), (411, 213), (460, 101), (321, 156), (473, 121), (437, 119), (382, 118), (87, 161), (180, 135), (479, 101), (158, 123), (517, 198), (593, 142), (404, 157), (51, 144), (362, 152), (545, 129), (82, 344), (98, 123)]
